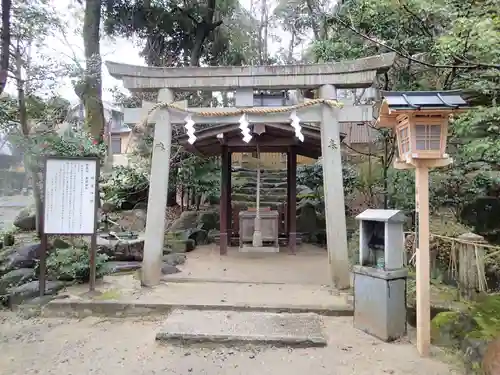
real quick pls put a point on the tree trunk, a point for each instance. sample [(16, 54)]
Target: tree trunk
[(203, 29), (5, 43), (30, 166), (91, 94)]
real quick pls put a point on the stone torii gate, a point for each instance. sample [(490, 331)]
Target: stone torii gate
[(243, 81)]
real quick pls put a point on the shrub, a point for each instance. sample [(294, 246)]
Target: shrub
[(73, 263), (125, 187)]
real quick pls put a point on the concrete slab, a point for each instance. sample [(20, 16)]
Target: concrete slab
[(202, 327)]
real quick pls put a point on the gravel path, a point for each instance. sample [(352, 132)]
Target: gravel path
[(127, 347)]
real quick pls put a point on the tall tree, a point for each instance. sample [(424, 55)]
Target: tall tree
[(89, 88), (5, 43)]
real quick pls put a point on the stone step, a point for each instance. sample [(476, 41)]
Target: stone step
[(243, 328), (281, 191), (263, 184), (282, 240), (246, 171), (252, 197), (263, 204)]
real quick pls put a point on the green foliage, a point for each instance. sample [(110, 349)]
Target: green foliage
[(125, 186), (73, 263), (201, 175), (312, 177), (179, 33), (486, 313)]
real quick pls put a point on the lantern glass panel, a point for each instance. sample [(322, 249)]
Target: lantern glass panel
[(428, 137), (404, 140)]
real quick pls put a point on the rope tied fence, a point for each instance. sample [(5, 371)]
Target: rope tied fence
[(467, 261)]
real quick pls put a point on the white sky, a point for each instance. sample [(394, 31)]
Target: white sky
[(118, 50)]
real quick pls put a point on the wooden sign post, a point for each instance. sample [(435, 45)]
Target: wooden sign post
[(71, 200), (420, 122)]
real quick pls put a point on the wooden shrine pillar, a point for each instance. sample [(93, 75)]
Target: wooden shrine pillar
[(224, 199), (229, 200), (291, 168)]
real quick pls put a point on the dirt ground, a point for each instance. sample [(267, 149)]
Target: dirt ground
[(127, 346)]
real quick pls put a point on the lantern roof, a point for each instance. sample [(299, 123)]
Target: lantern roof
[(412, 100), (395, 103)]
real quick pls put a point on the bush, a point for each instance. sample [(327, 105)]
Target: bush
[(73, 263), (312, 177), (125, 187)]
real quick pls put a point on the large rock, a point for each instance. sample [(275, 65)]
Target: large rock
[(187, 220), (22, 293), (131, 220), (26, 218), (15, 277), (208, 220), (307, 219), (168, 269), (449, 328), (197, 236), (181, 246), (121, 250), (22, 257), (174, 259)]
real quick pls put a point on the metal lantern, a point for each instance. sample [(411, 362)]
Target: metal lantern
[(420, 121)]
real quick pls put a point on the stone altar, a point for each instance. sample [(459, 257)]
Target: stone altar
[(269, 229)]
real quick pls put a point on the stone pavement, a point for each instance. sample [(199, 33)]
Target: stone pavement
[(235, 328)]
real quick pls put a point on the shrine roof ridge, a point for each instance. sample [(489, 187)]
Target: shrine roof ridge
[(352, 73)]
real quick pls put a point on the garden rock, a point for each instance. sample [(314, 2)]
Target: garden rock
[(199, 236), (131, 220), (168, 269), (118, 267), (304, 190), (208, 220), (15, 277), (174, 259), (181, 246), (449, 328), (24, 257), (26, 219), (121, 250), (473, 350), (187, 220), (59, 243), (307, 219), (22, 293)]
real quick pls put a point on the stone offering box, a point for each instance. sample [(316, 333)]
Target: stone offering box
[(380, 278), (381, 239)]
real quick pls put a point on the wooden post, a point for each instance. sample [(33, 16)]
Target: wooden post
[(287, 204), (423, 261), (224, 182), (158, 192), (229, 200), (292, 198)]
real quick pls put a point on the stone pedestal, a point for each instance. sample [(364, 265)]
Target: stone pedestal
[(269, 231)]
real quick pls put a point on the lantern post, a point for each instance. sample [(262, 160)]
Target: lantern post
[(420, 121)]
